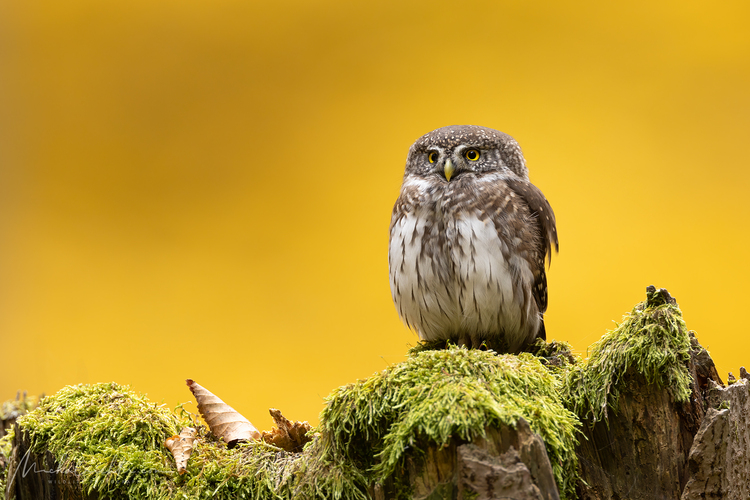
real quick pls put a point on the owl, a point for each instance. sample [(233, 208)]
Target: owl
[(469, 237)]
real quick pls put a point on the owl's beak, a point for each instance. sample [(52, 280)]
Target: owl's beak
[(449, 169)]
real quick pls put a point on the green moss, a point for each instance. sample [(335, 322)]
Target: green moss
[(112, 438), (652, 341), (14, 408), (5, 451), (109, 435), (435, 396)]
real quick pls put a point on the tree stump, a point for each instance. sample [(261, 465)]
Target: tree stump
[(652, 419)]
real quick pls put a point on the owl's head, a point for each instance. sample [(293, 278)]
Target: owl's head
[(458, 150)]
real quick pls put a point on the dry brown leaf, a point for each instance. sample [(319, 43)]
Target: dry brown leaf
[(181, 447), (223, 420), (290, 436)]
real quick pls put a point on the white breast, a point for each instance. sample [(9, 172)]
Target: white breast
[(486, 287), (463, 286), (424, 293)]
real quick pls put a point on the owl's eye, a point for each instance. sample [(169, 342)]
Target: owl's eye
[(432, 157), (472, 155)]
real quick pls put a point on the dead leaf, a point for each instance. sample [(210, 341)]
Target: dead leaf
[(181, 447), (223, 420), (290, 436)]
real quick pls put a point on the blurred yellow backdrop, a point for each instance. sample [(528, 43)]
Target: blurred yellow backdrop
[(203, 189)]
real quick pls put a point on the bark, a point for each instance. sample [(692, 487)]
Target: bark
[(488, 476), (641, 451), (33, 476), (508, 463), (719, 462)]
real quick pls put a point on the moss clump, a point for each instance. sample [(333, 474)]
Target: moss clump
[(5, 451), (14, 408), (557, 356), (109, 435), (435, 396), (652, 341)]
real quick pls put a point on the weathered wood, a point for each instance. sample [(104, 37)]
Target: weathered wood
[(641, 451), (719, 461), (513, 460), (32, 476), (484, 476)]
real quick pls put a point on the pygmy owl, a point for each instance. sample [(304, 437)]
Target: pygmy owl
[(469, 237)]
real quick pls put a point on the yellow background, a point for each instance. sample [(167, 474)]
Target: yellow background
[(203, 189)]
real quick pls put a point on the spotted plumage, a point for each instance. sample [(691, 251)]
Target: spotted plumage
[(469, 237)]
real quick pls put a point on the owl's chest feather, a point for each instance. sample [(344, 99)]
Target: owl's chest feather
[(453, 270)]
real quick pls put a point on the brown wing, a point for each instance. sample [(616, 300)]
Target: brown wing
[(542, 211)]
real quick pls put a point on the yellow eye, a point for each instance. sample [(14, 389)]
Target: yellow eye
[(472, 155), (432, 157)]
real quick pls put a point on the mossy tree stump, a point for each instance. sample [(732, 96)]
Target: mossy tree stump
[(645, 416), (637, 445), (641, 450)]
